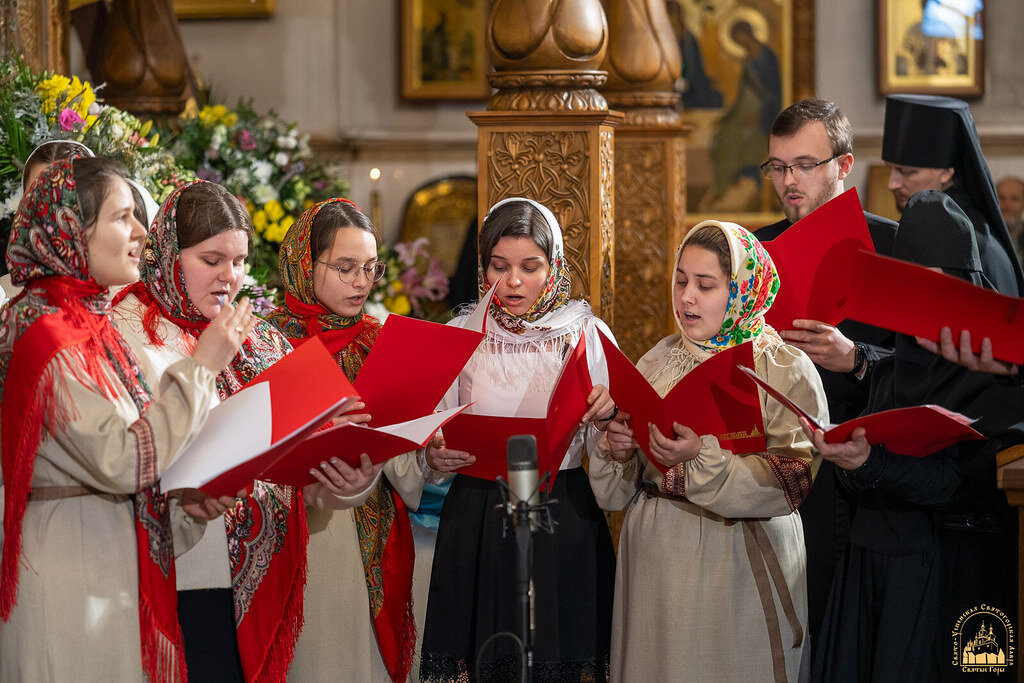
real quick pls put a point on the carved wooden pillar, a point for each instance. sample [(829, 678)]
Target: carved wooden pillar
[(38, 30), (140, 57), (547, 132), (643, 63)]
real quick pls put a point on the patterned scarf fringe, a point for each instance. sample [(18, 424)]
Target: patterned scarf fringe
[(279, 656), (51, 405), (400, 669), (162, 660)]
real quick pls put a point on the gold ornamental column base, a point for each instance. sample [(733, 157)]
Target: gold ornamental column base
[(564, 160), (650, 221)]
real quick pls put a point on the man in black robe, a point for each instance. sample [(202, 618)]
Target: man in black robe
[(810, 153), (930, 143)]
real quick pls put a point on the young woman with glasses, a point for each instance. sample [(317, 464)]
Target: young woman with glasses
[(362, 555)]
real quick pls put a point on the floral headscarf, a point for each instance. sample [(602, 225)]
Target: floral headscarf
[(303, 316), (63, 310), (555, 293), (266, 530), (162, 289), (382, 522), (752, 289)]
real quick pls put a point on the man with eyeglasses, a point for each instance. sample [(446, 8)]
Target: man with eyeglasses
[(930, 143), (810, 154)]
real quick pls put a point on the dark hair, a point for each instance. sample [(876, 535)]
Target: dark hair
[(140, 207), (208, 209), (49, 152), (331, 218), (94, 177), (712, 238), (514, 219), (797, 115)]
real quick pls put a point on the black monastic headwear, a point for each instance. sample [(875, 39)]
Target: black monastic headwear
[(939, 132)]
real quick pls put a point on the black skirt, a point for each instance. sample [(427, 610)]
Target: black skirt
[(472, 588), (207, 619)]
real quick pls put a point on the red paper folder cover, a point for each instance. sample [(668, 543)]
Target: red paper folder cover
[(349, 441), (911, 299), (713, 398), (412, 364), (811, 258), (486, 436), (915, 431), (305, 388)]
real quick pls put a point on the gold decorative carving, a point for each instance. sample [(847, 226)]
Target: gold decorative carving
[(641, 304), (41, 28), (552, 168), (607, 226)]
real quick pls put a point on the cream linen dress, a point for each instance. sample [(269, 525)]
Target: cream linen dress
[(687, 604), (77, 615)]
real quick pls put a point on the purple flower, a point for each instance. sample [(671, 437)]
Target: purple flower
[(69, 120), (246, 140), (207, 173)]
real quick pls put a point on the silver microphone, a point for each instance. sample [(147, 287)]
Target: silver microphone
[(523, 479)]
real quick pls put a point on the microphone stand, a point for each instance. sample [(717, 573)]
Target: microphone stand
[(526, 520)]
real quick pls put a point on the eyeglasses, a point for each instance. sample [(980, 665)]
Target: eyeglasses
[(348, 272), (803, 169)]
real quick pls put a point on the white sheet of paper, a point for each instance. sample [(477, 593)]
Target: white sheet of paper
[(420, 429), (234, 432)]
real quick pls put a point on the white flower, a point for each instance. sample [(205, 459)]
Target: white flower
[(281, 159), (262, 170), (242, 176), (377, 310), (117, 130), (10, 205), (263, 194), (95, 108)]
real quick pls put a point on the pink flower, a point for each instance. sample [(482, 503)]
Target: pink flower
[(246, 140), (436, 281), (408, 251), (69, 120)]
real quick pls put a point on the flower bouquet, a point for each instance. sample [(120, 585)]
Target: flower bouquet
[(413, 284), (266, 162)]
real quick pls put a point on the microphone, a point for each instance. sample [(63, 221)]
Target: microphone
[(523, 480)]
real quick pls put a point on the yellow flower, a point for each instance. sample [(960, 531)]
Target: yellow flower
[(155, 140), (218, 113), (274, 210), (397, 286), (286, 222), (398, 304), (250, 207), (259, 221), (68, 92)]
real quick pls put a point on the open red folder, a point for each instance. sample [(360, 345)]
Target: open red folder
[(911, 299), (349, 441), (915, 431), (713, 398), (812, 257), (413, 362), (486, 436), (255, 427)]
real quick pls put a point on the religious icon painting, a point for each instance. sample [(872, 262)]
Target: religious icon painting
[(444, 55), (931, 47), (743, 62)]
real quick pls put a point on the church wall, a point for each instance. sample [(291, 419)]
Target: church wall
[(333, 65)]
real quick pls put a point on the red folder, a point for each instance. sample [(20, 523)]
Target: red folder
[(714, 398), (486, 436), (811, 258), (350, 441), (413, 363), (916, 431), (293, 397), (911, 299)]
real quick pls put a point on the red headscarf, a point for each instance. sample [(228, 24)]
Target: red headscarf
[(382, 522), (266, 530), (62, 310)]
